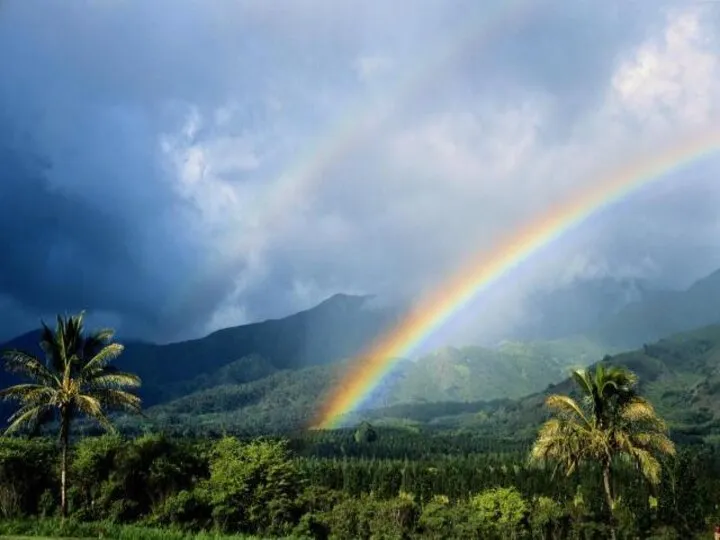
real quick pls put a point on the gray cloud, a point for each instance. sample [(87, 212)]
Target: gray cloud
[(178, 166)]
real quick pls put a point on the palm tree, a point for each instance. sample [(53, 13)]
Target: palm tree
[(75, 379), (611, 422)]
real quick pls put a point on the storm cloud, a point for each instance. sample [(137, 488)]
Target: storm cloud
[(178, 166)]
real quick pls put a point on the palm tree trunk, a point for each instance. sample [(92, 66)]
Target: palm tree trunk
[(609, 498), (64, 443)]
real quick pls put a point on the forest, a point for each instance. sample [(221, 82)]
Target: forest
[(602, 464), (331, 485)]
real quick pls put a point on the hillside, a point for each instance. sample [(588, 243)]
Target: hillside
[(662, 313), (338, 328), (680, 374), (273, 374), (576, 308), (287, 399), (511, 370)]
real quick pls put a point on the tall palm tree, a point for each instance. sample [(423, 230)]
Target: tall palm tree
[(611, 422), (74, 379)]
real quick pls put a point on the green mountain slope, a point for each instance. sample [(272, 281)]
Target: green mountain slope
[(288, 399), (512, 370), (680, 374), (273, 374), (338, 328)]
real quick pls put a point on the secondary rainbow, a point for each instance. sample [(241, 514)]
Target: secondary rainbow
[(368, 371), (366, 117)]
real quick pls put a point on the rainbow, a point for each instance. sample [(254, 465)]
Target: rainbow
[(366, 118), (367, 372), (479, 29)]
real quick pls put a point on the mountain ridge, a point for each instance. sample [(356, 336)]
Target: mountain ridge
[(267, 358)]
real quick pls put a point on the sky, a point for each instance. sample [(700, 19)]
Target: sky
[(179, 166)]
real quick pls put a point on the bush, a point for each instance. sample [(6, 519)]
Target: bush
[(253, 486)]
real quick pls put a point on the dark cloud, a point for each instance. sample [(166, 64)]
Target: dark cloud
[(175, 165)]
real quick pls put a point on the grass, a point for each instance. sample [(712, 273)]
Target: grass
[(54, 529)]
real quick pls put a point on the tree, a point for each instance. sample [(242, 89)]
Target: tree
[(76, 378), (365, 433), (611, 422), (254, 487)]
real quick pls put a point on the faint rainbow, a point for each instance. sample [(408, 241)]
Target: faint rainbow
[(270, 209), (365, 119), (368, 371)]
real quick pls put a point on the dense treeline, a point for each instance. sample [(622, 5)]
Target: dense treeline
[(403, 444), (262, 487)]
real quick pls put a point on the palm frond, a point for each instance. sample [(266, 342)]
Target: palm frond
[(580, 376), (656, 442), (102, 336), (561, 443), (118, 399), (91, 407), (96, 341), (102, 358), (76, 378), (648, 465), (29, 416), (640, 410), (569, 407), (27, 365), (612, 422), (113, 379), (27, 393)]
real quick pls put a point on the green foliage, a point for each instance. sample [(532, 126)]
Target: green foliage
[(71, 528), (183, 486), (500, 512), (365, 433), (612, 422), (252, 486), (76, 378), (511, 370), (24, 467), (546, 518), (680, 375)]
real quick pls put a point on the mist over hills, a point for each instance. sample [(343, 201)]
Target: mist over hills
[(578, 307), (661, 313)]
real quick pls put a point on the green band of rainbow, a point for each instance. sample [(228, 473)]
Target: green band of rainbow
[(368, 371)]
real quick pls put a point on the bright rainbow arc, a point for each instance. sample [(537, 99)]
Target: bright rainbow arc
[(368, 371)]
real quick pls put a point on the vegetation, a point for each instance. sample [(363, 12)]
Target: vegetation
[(75, 379), (272, 488), (680, 375), (510, 370), (611, 422), (624, 477)]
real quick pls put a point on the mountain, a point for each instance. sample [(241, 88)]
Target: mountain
[(288, 399), (679, 374), (338, 328), (662, 313), (511, 370), (623, 313), (576, 308), (272, 375)]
